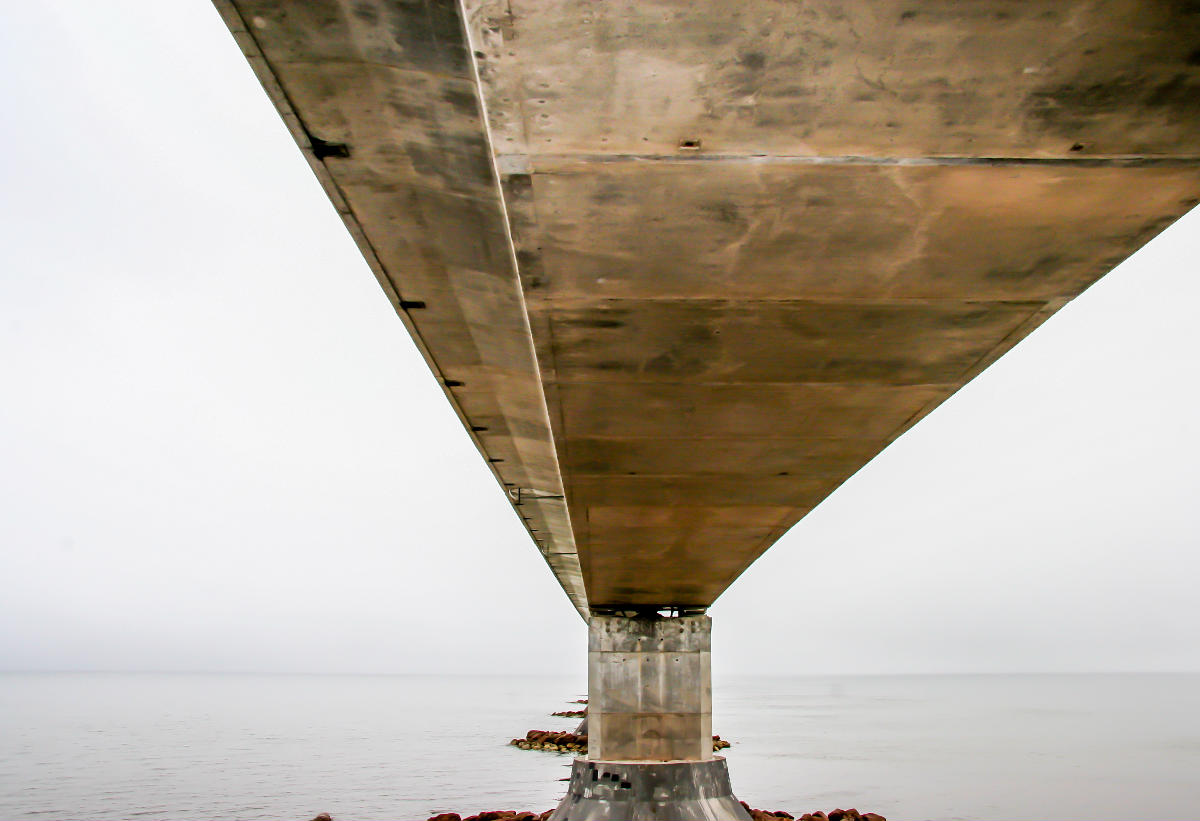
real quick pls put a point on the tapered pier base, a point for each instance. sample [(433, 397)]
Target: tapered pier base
[(644, 791)]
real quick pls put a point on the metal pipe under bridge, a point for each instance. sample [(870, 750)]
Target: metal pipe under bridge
[(683, 268)]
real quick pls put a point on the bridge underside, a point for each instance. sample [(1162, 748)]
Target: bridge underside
[(683, 268)]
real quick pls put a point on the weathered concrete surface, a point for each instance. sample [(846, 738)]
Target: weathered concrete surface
[(635, 791), (684, 267), (650, 688), (383, 99)]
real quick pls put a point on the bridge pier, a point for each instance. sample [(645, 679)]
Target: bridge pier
[(650, 725)]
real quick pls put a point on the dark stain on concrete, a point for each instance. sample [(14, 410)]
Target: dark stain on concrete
[(662, 364), (528, 260), (430, 35), (592, 322), (1150, 230), (1069, 107), (367, 13), (608, 194), (459, 162), (407, 111), (520, 183), (726, 212), (788, 91), (463, 101), (970, 319), (1044, 266), (749, 78), (752, 60)]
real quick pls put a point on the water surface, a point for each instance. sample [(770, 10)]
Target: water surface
[(104, 747)]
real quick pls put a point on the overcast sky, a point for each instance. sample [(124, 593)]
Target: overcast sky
[(219, 450)]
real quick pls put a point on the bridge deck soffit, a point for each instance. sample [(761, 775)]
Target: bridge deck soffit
[(682, 269)]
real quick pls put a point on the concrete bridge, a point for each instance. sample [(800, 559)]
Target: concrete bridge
[(684, 267)]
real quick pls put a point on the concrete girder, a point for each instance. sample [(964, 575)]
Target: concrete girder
[(383, 100), (684, 268)]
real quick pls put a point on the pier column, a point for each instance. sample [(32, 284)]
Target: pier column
[(650, 688), (650, 725)]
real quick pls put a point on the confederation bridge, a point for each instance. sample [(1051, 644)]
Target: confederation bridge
[(682, 268)]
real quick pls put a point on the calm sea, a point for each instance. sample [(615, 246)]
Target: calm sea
[(118, 746)]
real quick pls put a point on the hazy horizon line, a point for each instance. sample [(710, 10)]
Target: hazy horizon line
[(581, 673)]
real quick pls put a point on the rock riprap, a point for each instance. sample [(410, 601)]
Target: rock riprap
[(757, 815), (563, 742), (552, 741), (494, 815), (832, 815)]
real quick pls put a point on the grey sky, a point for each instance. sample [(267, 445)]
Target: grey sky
[(220, 450)]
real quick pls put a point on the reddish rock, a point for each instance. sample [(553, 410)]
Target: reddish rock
[(755, 815), (323, 817)]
